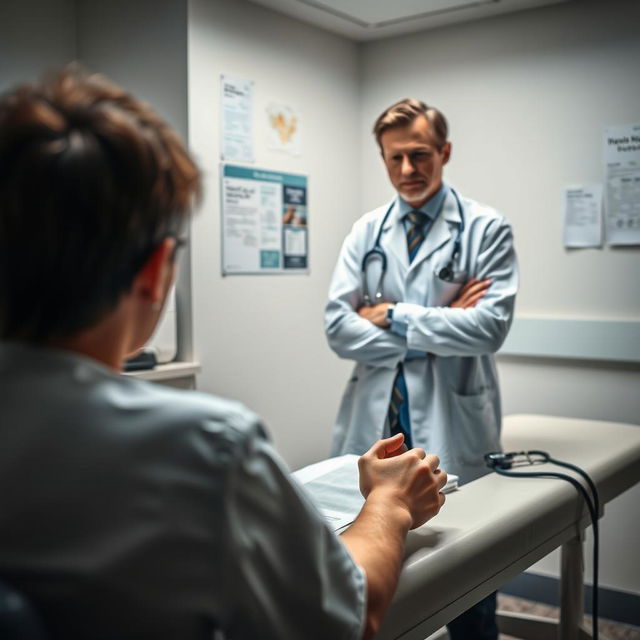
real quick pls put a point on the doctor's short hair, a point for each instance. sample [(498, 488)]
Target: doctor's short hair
[(91, 181), (404, 112)]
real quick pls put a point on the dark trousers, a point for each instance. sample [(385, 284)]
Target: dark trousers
[(476, 623)]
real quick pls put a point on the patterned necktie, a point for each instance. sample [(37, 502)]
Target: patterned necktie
[(398, 415), (415, 233)]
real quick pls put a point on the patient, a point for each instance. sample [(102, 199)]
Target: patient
[(130, 510)]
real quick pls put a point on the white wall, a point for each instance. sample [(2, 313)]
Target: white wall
[(527, 96), (260, 338), (142, 46), (35, 35)]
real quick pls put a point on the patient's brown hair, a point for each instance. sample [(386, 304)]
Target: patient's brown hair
[(91, 180)]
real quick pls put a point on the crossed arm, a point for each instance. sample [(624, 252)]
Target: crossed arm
[(469, 295), (476, 322)]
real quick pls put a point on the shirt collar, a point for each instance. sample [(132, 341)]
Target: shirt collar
[(431, 207)]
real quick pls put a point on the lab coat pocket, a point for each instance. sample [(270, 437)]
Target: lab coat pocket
[(475, 426), (444, 292)]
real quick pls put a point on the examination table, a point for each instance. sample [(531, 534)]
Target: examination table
[(492, 529)]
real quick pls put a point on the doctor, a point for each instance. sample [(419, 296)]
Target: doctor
[(421, 298)]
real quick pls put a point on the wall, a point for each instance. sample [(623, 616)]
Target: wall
[(527, 96), (142, 46), (35, 34), (260, 338)]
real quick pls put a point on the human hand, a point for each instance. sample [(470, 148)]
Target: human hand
[(469, 295), (410, 479), (377, 314)]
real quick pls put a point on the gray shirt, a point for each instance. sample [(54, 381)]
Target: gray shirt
[(130, 510)]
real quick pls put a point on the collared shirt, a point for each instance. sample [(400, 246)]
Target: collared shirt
[(431, 208), (135, 511)]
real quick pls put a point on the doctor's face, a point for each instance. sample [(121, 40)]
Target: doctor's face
[(414, 162)]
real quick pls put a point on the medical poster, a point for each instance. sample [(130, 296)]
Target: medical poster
[(583, 216), (264, 221), (622, 165), (236, 136), (283, 129)]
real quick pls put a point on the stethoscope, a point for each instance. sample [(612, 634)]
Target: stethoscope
[(377, 252)]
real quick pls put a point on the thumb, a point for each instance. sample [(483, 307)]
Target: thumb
[(390, 446)]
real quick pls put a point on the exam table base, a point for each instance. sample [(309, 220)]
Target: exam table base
[(569, 627)]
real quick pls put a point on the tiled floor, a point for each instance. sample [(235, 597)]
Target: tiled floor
[(607, 630)]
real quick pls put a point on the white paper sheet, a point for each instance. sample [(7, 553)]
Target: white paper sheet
[(333, 486), (622, 163), (583, 216), (236, 97)]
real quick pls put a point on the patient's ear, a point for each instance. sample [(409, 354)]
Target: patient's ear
[(156, 276)]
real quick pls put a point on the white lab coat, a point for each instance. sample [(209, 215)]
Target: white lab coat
[(454, 399)]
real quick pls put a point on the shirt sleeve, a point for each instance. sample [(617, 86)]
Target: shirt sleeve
[(289, 574)]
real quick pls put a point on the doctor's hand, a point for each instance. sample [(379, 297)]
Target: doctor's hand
[(409, 479), (471, 293), (377, 314)]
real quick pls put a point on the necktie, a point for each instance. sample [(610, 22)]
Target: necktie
[(398, 414), (415, 232)]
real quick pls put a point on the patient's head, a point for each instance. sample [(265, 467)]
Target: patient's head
[(91, 181)]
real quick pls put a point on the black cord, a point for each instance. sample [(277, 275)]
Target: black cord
[(596, 545), (593, 505)]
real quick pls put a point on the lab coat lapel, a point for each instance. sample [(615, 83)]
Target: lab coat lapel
[(442, 230)]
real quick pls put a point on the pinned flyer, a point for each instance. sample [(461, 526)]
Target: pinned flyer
[(236, 97), (583, 216), (283, 129), (622, 163), (264, 221)]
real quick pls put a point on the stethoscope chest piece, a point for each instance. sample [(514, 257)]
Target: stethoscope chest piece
[(376, 252), (446, 274)]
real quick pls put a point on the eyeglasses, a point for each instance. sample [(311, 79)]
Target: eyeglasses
[(180, 242)]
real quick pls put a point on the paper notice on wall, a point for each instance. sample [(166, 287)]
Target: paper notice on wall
[(264, 221), (583, 216), (283, 128), (622, 165), (236, 137)]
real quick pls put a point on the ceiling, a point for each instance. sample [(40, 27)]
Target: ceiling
[(372, 19)]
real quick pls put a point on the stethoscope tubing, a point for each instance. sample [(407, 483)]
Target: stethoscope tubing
[(378, 253)]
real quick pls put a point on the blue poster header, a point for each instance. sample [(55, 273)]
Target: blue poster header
[(263, 175)]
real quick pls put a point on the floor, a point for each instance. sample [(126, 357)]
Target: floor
[(607, 629)]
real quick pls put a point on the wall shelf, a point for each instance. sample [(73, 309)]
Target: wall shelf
[(170, 371)]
